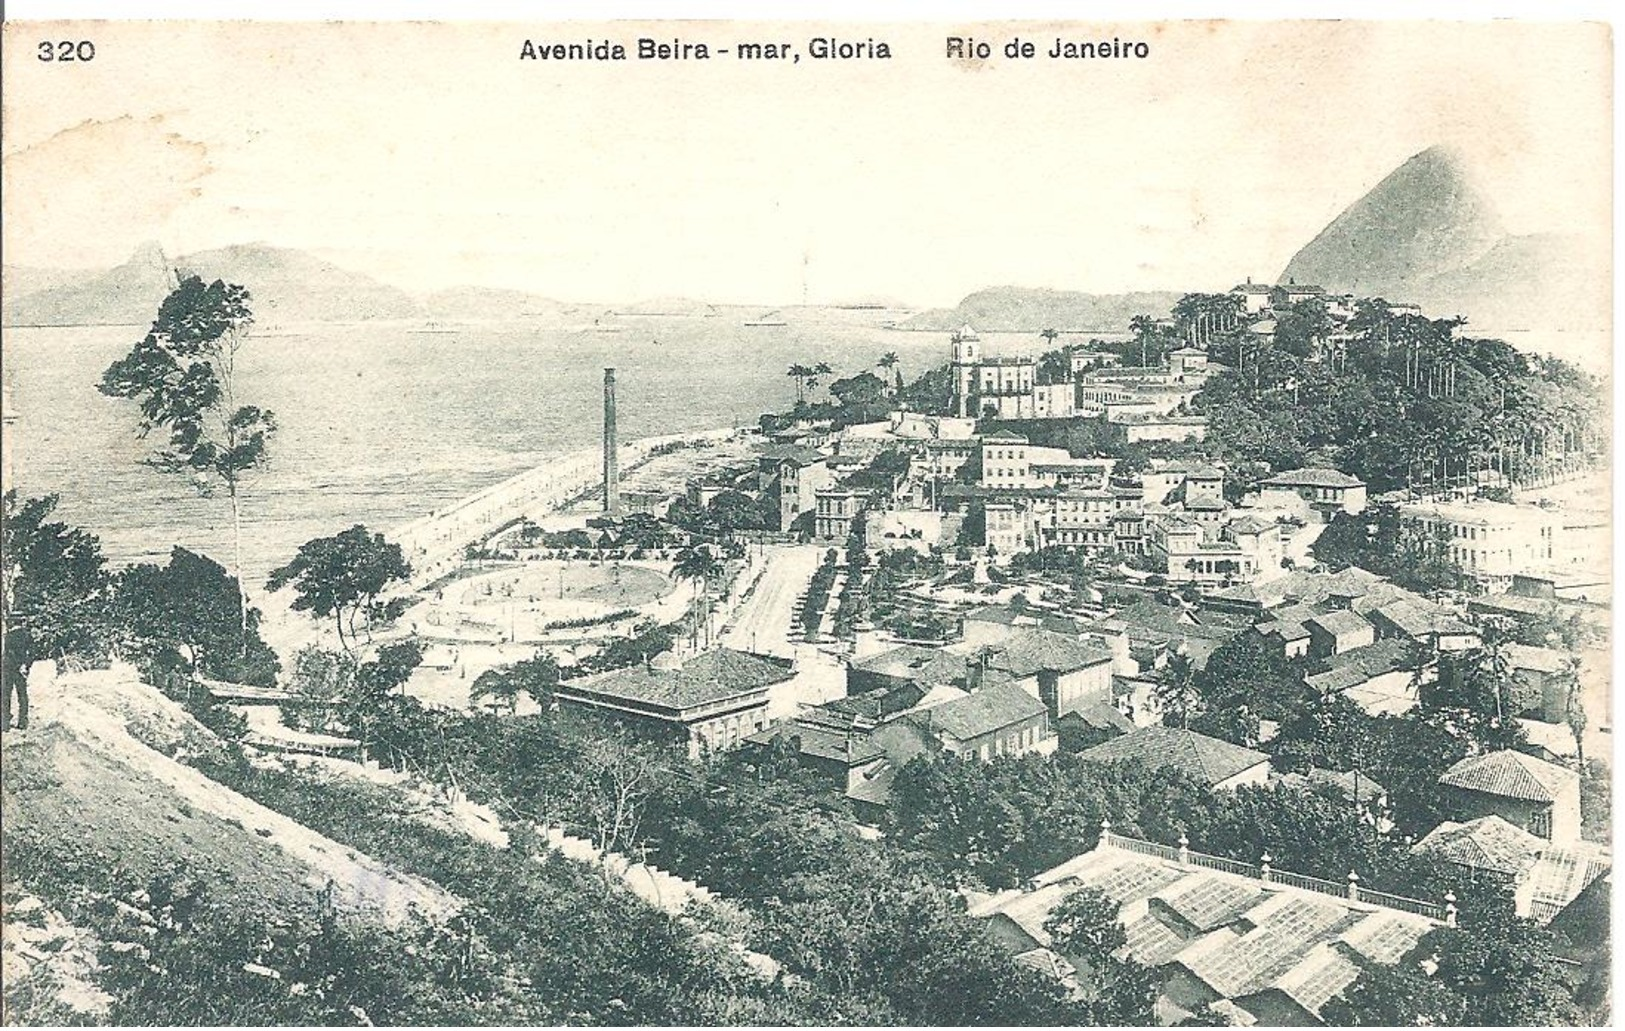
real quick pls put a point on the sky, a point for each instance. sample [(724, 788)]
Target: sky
[(431, 155)]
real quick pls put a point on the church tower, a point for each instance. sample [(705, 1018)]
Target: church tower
[(966, 356)]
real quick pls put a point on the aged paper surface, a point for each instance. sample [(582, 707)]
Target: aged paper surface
[(708, 522)]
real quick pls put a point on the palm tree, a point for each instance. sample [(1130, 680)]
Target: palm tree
[(1144, 327), (799, 373), (816, 373), (889, 361), (700, 565), (1049, 335)]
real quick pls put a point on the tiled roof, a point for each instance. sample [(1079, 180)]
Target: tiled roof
[(1338, 622), (919, 664), (1488, 843), (1206, 759), (1101, 716), (983, 712), (1029, 651), (1359, 665), (823, 743), (1420, 618), (1004, 437), (713, 677), (1510, 775), (1250, 524), (1314, 478)]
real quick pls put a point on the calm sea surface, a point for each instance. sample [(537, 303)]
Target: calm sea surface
[(383, 422)]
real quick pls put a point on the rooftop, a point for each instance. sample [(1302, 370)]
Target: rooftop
[(1510, 775), (1314, 478), (1338, 622), (983, 712), (1238, 934), (819, 742), (715, 676), (1358, 665), (1027, 651), (1488, 843), (1205, 759), (917, 663)]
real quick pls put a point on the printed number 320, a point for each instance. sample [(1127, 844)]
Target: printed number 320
[(67, 50)]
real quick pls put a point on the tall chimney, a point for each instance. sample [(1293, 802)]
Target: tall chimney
[(612, 472)]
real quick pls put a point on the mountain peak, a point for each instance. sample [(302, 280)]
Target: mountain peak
[(1425, 218), (1429, 235)]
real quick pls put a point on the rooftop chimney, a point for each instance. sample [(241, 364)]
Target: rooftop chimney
[(612, 473)]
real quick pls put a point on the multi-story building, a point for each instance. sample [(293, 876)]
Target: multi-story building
[(797, 474), (999, 387), (1327, 491), (944, 458), (1489, 540), (837, 510)]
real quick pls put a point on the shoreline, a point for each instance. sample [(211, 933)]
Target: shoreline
[(435, 541)]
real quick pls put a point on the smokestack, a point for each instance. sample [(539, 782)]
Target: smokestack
[(612, 472)]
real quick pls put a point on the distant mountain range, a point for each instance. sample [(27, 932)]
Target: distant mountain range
[(1015, 309), (287, 286), (1427, 234), (1424, 234)]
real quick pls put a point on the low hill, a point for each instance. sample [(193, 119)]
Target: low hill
[(95, 776), (1014, 309), (478, 303), (287, 286)]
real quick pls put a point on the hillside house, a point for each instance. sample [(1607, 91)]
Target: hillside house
[(1537, 796)]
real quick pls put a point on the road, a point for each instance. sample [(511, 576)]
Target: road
[(763, 624)]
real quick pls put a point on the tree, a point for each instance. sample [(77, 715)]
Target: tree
[(1145, 329), (190, 606), (54, 602), (700, 565), (865, 388), (1086, 930), (340, 576), (799, 373), (1501, 971), (1176, 692), (183, 374), (888, 362), (536, 677)]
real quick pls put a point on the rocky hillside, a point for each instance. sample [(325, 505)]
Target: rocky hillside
[(1428, 234)]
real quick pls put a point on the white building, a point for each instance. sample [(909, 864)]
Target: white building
[(1490, 540)]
